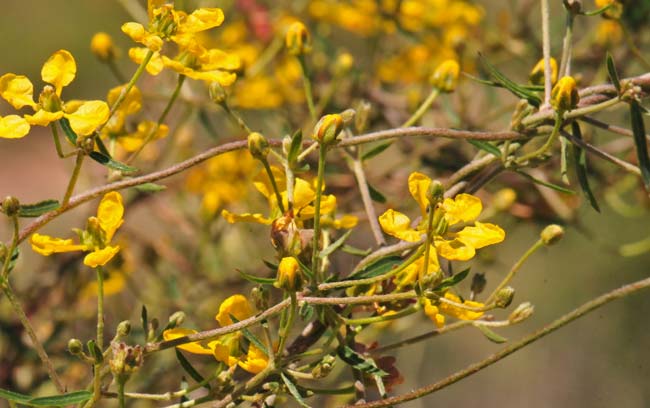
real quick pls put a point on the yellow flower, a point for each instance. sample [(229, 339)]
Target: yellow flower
[(194, 347), (102, 46), (289, 275), (95, 239), (464, 208), (445, 77), (237, 306), (536, 76), (255, 361), (564, 95), (436, 312), (58, 71)]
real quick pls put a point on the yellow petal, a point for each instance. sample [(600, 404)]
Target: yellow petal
[(256, 360), (347, 221), (155, 65), (101, 257), (88, 117), (222, 77), (226, 348), (59, 70), (110, 213), (217, 59), (303, 194), (202, 19), (236, 305), (418, 187), (17, 90), (246, 217), (132, 102), (454, 250), (46, 245), (195, 347), (43, 118), (399, 226), (433, 313), (481, 234), (263, 184), (13, 127), (457, 312), (463, 208)]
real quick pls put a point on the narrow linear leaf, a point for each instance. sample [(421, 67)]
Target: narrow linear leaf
[(189, 369), (613, 74), (334, 246), (251, 337), (37, 209), (293, 390), (305, 269), (348, 249), (535, 88), (294, 148), (67, 129), (375, 151), (150, 188), (452, 280), (375, 195), (490, 335), (545, 183), (14, 396), (513, 87), (377, 268), (100, 145), (110, 163), (598, 11), (95, 351), (358, 362), (641, 143), (380, 386), (580, 162), (485, 146), (272, 266), (145, 321), (70, 398), (256, 279)]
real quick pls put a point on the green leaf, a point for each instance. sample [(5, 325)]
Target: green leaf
[(613, 74), (580, 163), (14, 396), (95, 351), (150, 188), (293, 390), (375, 195), (251, 337), (359, 362), (485, 146), (513, 87), (70, 398), (272, 266), (294, 147), (545, 183), (490, 335), (145, 321), (375, 151), (528, 87), (189, 369), (110, 163), (452, 280), (256, 279), (379, 267), (334, 246), (355, 251), (640, 141), (37, 209), (102, 148), (67, 129)]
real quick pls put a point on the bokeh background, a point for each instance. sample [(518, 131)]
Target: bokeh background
[(602, 360)]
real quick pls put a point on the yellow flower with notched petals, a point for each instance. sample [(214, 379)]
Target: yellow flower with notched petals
[(436, 312), (58, 71), (95, 239), (255, 361)]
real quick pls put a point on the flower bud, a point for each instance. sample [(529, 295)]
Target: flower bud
[(536, 76), (445, 77), (124, 328), (504, 198), (348, 116), (435, 192), (363, 109), (75, 347), (298, 39), (478, 283), (102, 46), (87, 144), (289, 275), (504, 297), (10, 206), (343, 64), (217, 93), (522, 312), (49, 100), (564, 95), (260, 296), (258, 146), (324, 367), (125, 359), (176, 319), (328, 128), (552, 234)]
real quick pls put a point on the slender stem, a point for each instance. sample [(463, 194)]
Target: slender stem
[(306, 81), (360, 175), (416, 339), (355, 300), (630, 168), (100, 307), (57, 141), (274, 184), (515, 268), (307, 151), (538, 118), (415, 118), (567, 45), (322, 153), (505, 352), (235, 117), (73, 178), (120, 393), (546, 49), (18, 310), (362, 321), (549, 142), (284, 331), (161, 119), (265, 57), (10, 251)]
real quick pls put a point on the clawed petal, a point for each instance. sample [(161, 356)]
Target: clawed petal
[(59, 70), (101, 257), (13, 127), (17, 90), (46, 245), (481, 235), (462, 208), (246, 217), (110, 213), (399, 226), (195, 347), (418, 187)]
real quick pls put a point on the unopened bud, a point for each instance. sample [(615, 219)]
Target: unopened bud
[(478, 283), (10, 206), (435, 193), (363, 109), (258, 146), (343, 64), (176, 319), (552, 234), (328, 128), (102, 46), (445, 77), (87, 144), (522, 312), (298, 39), (536, 76), (217, 93), (124, 328), (504, 297), (564, 95), (289, 275), (324, 367), (49, 100), (348, 116), (75, 346), (504, 198)]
